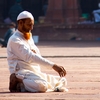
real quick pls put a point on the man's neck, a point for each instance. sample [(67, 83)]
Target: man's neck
[(26, 35)]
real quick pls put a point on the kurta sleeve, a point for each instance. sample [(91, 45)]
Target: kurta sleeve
[(23, 52)]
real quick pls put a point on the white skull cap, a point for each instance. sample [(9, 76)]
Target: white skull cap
[(25, 14)]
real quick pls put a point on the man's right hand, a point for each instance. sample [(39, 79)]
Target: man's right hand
[(33, 51), (60, 70)]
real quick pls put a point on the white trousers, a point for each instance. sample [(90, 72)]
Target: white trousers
[(35, 83), (38, 85)]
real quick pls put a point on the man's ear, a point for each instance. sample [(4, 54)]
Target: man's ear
[(20, 22)]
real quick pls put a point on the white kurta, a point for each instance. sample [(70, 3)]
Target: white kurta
[(26, 65)]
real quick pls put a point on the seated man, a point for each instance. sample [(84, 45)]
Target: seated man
[(10, 31), (24, 61), (96, 14)]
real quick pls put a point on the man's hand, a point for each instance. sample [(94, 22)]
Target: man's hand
[(60, 70), (33, 51)]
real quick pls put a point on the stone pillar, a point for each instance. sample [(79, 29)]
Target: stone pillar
[(55, 11), (62, 11)]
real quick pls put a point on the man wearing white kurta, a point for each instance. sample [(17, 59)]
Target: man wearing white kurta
[(96, 14), (24, 60)]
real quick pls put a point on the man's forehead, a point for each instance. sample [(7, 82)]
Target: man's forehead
[(29, 20)]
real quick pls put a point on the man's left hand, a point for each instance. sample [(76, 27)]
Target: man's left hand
[(60, 70)]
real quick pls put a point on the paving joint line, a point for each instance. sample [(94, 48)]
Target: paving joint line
[(62, 57)]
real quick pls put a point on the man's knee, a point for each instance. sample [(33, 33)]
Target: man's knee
[(35, 85), (43, 86)]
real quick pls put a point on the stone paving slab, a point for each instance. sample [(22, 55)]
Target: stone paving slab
[(66, 49), (83, 72)]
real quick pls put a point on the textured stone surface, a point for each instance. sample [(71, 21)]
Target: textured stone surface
[(80, 59)]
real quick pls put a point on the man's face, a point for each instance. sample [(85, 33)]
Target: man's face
[(27, 25)]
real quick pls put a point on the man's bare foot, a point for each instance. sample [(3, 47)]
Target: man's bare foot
[(13, 84)]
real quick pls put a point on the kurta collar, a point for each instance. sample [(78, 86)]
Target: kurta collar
[(19, 32)]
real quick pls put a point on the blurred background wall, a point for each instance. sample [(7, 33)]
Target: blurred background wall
[(58, 19)]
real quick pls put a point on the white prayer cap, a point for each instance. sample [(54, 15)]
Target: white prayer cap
[(25, 14)]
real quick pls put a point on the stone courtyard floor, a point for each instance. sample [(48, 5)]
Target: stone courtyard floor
[(81, 59)]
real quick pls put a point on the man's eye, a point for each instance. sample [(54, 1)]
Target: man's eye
[(28, 25)]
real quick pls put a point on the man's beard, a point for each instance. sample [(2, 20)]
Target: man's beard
[(27, 33)]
